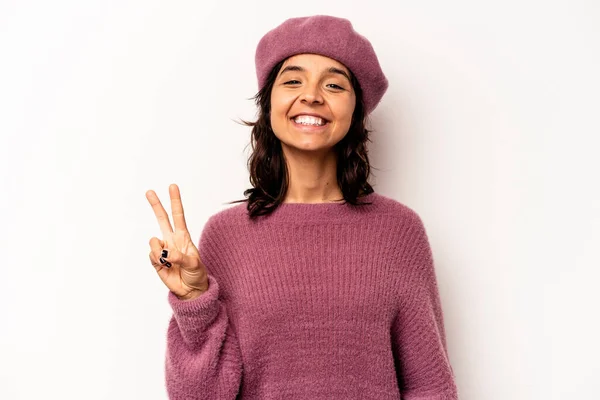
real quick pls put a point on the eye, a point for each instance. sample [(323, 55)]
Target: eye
[(336, 86), (285, 83)]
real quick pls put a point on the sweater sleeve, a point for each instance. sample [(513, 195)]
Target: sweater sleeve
[(419, 342), (203, 359)]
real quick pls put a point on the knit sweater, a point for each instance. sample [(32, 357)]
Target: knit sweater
[(314, 301)]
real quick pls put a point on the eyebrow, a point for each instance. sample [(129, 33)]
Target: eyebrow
[(332, 70)]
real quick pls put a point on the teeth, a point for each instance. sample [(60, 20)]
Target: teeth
[(309, 120)]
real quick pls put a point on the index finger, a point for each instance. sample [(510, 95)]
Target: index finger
[(161, 214), (177, 208)]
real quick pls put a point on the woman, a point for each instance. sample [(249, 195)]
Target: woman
[(315, 287)]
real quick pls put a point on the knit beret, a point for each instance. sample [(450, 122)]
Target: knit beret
[(329, 36)]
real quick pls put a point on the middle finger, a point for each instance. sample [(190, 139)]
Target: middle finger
[(161, 214)]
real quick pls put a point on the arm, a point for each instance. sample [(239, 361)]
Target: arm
[(419, 341), (203, 359)]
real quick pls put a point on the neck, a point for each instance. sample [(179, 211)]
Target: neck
[(313, 179)]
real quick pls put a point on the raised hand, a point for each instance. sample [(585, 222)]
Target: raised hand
[(182, 270)]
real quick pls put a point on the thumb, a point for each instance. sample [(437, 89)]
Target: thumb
[(183, 260)]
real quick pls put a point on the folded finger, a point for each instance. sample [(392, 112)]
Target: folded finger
[(158, 254)]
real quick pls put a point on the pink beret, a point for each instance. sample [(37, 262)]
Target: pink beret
[(329, 36)]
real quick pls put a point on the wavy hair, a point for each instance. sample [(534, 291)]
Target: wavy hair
[(269, 175)]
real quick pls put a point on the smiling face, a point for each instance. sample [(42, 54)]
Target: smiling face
[(312, 102)]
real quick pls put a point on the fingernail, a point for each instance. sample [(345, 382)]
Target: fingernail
[(165, 253), (168, 265), (162, 260)]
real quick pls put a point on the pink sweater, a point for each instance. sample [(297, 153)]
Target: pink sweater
[(315, 301)]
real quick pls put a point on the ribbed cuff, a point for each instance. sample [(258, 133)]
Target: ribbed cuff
[(197, 314)]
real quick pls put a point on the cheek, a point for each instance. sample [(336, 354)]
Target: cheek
[(346, 112), (280, 103), (279, 110)]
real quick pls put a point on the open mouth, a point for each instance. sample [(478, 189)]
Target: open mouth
[(309, 121)]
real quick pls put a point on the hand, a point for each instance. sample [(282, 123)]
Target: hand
[(186, 276)]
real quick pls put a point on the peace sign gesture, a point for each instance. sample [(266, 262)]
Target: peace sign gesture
[(175, 257)]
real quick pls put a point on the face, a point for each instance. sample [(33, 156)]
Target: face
[(312, 102)]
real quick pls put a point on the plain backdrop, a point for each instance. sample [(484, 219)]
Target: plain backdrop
[(489, 130)]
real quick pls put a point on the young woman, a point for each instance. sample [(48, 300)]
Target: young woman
[(316, 286)]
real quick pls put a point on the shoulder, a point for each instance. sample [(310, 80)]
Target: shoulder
[(403, 226), (216, 233), (397, 211), (232, 214), (227, 217)]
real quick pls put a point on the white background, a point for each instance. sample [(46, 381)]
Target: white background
[(489, 130)]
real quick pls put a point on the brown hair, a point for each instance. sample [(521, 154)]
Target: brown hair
[(267, 167)]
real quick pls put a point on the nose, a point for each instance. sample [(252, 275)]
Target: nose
[(311, 95)]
